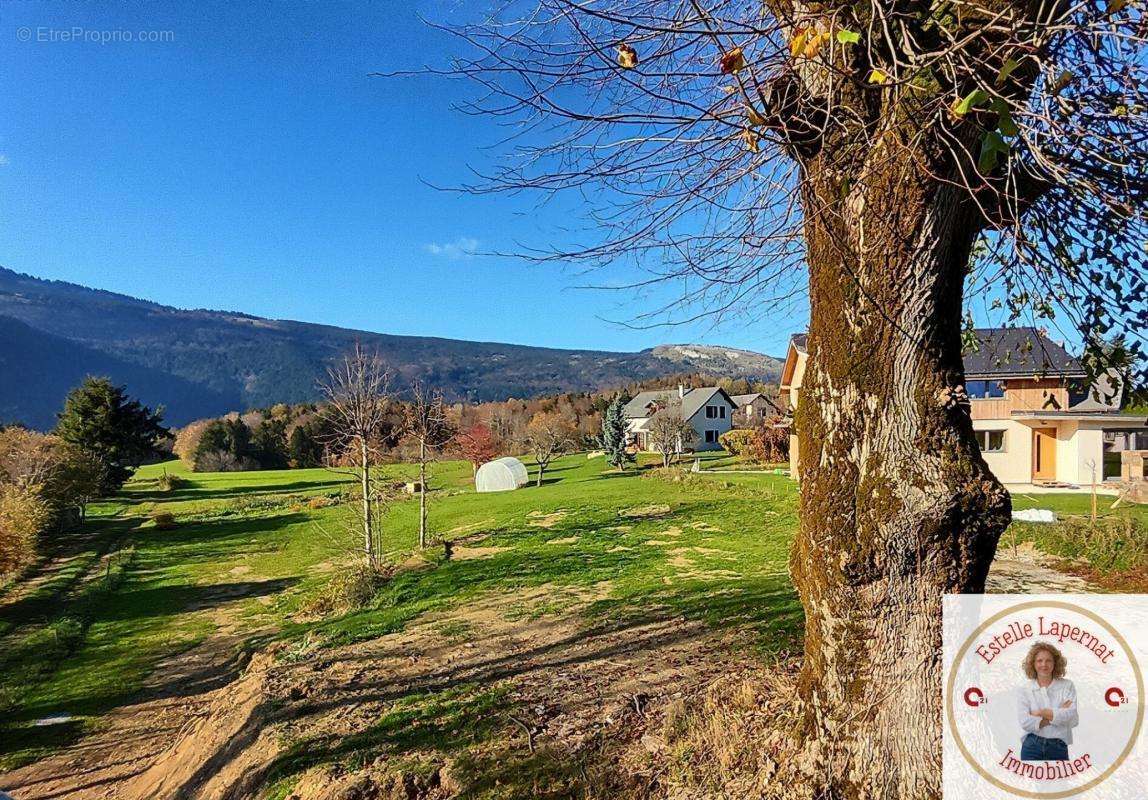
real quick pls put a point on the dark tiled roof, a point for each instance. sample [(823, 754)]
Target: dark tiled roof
[(638, 408), (1010, 352)]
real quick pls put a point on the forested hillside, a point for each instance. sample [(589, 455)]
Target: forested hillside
[(199, 363)]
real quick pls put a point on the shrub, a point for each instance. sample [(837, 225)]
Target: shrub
[(24, 516), (222, 461), (169, 483), (737, 442), (349, 589), (1112, 546), (323, 501), (66, 635), (770, 443), (163, 521)]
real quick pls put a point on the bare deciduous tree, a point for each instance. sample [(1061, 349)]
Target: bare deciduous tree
[(550, 434), (428, 427), (670, 434), (909, 158), (357, 393)]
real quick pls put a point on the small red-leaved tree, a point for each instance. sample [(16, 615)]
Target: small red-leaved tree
[(476, 444)]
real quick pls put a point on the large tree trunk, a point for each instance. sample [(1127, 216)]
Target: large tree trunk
[(897, 505)]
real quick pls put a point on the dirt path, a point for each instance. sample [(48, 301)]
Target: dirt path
[(1025, 570), (130, 738), (199, 733)]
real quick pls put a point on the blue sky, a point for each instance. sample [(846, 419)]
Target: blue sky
[(247, 161)]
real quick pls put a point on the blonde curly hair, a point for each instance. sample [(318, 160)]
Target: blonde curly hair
[(1059, 662)]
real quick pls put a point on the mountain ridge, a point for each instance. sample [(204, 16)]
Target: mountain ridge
[(216, 357)]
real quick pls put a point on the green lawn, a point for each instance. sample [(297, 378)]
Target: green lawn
[(256, 536), (263, 545)]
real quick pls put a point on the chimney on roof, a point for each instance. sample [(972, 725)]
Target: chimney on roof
[(681, 391)]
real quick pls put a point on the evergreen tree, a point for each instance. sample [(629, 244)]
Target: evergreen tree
[(615, 436), (240, 439), (304, 449), (214, 439), (269, 443), (114, 429), (227, 437)]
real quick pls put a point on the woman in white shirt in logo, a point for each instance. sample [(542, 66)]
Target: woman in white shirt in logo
[(1046, 705)]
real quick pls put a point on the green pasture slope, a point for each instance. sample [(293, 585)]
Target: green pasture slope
[(81, 644), (80, 636)]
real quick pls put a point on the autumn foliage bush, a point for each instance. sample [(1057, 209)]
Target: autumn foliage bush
[(44, 483), (770, 442), (738, 441), (24, 515)]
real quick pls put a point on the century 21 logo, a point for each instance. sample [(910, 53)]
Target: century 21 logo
[(975, 697), (1115, 697)]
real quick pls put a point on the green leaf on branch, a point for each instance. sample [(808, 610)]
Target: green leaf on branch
[(1007, 69), (992, 147), (969, 102), (848, 37), (1005, 122)]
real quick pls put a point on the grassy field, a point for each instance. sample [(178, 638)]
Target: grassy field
[(82, 641), (80, 636)]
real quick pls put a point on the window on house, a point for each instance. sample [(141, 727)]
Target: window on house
[(721, 412), (711, 437), (715, 412), (980, 390), (1078, 392), (990, 441)]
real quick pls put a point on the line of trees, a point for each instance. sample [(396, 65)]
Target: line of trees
[(301, 436)]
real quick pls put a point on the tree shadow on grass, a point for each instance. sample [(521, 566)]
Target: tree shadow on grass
[(84, 546), (215, 540), (185, 598), (193, 492)]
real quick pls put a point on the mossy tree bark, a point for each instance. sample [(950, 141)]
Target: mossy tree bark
[(897, 505)]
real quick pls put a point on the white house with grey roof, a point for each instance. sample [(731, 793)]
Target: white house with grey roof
[(1037, 421), (709, 410)]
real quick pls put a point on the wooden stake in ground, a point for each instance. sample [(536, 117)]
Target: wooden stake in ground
[(1092, 469)]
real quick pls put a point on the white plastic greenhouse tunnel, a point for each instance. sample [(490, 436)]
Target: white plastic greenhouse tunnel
[(501, 475)]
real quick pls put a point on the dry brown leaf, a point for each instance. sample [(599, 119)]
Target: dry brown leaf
[(627, 56), (732, 61)]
